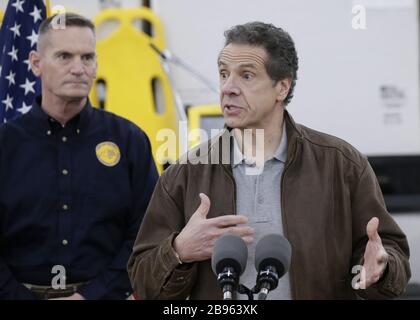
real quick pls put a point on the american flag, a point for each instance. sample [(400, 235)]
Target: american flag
[(18, 36)]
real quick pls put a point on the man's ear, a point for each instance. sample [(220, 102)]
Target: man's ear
[(283, 87), (35, 61)]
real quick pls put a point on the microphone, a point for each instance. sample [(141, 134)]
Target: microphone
[(272, 260), (228, 262)]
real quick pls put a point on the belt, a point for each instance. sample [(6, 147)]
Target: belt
[(48, 292)]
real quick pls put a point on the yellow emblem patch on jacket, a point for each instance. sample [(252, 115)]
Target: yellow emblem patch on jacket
[(108, 153)]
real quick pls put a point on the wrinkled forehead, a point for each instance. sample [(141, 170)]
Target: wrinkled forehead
[(239, 54)]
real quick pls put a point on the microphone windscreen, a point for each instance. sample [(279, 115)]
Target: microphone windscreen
[(229, 251), (273, 250)]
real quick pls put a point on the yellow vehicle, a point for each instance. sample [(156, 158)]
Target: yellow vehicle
[(131, 81)]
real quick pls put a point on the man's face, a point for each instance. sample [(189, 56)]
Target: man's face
[(249, 97), (66, 62)]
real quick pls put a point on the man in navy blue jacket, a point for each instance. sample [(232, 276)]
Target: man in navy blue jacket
[(75, 181)]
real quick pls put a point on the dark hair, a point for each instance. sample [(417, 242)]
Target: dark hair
[(69, 20), (282, 59)]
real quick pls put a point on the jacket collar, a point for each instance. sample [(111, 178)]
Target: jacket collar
[(217, 149), (280, 154)]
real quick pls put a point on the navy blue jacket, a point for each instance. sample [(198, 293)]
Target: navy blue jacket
[(71, 196)]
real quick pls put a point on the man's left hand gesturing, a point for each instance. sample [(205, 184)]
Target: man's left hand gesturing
[(375, 257)]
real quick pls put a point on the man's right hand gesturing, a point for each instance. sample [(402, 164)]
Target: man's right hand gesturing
[(196, 240)]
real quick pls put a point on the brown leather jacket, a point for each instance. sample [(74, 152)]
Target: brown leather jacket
[(329, 193)]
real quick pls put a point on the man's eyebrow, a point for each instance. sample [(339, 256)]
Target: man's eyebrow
[(62, 51), (242, 65), (89, 54), (57, 53), (248, 65)]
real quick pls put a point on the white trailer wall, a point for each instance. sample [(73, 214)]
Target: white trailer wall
[(361, 85)]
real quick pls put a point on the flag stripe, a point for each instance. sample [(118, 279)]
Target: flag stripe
[(18, 36)]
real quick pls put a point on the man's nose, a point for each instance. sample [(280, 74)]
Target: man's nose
[(230, 86), (77, 67)]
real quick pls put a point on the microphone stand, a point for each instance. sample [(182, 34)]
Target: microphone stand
[(267, 280), (227, 280), (245, 290)]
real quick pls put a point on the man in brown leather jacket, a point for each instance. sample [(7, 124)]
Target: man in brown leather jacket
[(329, 206)]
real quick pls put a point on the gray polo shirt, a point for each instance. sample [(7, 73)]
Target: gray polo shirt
[(258, 198)]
